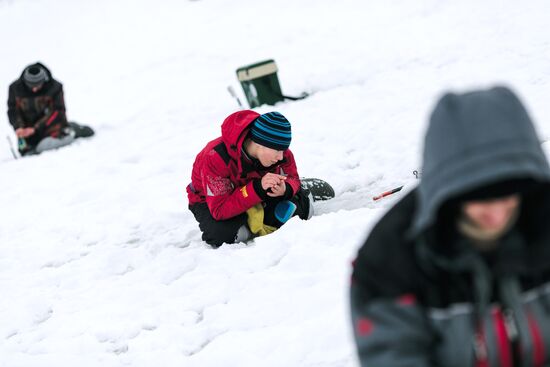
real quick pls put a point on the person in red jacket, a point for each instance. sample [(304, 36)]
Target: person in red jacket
[(246, 174)]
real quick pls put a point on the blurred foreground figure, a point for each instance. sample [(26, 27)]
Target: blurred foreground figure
[(36, 110), (458, 272)]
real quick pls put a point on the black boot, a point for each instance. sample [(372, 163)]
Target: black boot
[(320, 189), (304, 204), (81, 131)]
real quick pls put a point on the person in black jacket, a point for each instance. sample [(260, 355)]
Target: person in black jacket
[(36, 110), (457, 273)]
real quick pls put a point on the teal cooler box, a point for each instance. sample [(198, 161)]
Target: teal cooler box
[(260, 83)]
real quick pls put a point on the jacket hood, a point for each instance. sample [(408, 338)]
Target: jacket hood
[(233, 130), (474, 140)]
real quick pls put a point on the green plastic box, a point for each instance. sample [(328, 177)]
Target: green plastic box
[(260, 83)]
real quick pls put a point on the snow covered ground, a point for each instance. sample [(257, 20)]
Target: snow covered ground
[(101, 263)]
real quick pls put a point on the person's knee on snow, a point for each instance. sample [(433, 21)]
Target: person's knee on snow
[(243, 234), (217, 232), (49, 143)]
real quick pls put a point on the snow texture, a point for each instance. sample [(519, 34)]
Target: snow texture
[(101, 263)]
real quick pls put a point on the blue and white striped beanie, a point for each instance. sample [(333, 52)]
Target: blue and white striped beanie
[(271, 130)]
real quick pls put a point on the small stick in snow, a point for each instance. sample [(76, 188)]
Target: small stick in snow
[(234, 95), (387, 193), (15, 155)]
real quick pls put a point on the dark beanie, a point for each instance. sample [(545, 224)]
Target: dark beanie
[(34, 76), (271, 130)]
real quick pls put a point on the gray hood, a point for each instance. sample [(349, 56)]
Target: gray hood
[(474, 140)]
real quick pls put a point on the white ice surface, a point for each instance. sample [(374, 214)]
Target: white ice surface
[(101, 263)]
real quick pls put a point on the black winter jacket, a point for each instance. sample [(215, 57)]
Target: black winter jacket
[(44, 110)]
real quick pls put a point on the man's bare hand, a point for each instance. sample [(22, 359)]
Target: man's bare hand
[(24, 132)]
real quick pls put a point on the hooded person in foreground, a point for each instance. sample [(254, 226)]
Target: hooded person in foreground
[(246, 183), (458, 272)]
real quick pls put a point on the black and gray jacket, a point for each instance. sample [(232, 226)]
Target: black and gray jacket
[(44, 110), (421, 294)]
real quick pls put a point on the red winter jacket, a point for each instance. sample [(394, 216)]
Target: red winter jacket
[(226, 179)]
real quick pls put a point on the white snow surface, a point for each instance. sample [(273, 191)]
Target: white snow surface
[(101, 262)]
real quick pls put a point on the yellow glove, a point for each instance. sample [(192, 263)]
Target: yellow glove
[(256, 221)]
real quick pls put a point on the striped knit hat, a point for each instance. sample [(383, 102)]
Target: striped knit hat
[(35, 75), (271, 130)]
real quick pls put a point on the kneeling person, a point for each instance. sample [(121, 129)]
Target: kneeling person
[(245, 183), (36, 110)]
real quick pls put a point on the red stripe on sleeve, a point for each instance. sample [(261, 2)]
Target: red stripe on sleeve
[(52, 118), (503, 343), (538, 345)]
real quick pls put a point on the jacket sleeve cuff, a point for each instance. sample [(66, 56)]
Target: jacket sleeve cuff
[(39, 126), (257, 184), (289, 193)]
